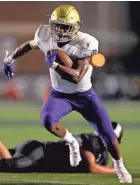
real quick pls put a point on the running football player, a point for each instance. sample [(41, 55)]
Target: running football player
[(52, 157), (73, 90)]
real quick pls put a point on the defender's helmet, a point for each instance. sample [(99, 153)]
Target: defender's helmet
[(64, 23), (118, 129)]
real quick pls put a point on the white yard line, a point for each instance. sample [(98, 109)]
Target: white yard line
[(45, 181), (39, 181), (136, 179)]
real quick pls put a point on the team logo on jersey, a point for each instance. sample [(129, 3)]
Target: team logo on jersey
[(72, 56), (94, 52)]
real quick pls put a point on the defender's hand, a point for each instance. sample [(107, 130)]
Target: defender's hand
[(50, 59), (8, 68)]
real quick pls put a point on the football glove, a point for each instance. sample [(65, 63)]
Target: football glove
[(50, 59), (8, 68)]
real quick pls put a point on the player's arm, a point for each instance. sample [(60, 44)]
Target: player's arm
[(21, 50), (24, 48), (74, 75), (4, 152), (94, 167)]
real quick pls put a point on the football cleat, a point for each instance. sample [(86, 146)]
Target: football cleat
[(74, 154), (122, 173)]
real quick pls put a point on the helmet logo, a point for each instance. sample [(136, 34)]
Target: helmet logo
[(53, 14), (72, 16), (64, 23)]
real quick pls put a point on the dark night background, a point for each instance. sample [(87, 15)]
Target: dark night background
[(132, 61)]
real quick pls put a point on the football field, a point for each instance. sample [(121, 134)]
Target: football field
[(20, 121)]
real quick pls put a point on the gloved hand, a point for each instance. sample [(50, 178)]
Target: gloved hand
[(8, 68), (50, 59)]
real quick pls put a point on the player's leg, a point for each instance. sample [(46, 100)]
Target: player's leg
[(52, 111), (55, 108), (95, 113)]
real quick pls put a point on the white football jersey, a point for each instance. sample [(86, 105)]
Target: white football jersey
[(83, 45)]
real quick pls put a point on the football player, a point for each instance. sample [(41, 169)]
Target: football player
[(72, 88), (36, 156)]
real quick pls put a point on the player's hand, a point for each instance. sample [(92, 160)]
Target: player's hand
[(8, 68), (50, 59)]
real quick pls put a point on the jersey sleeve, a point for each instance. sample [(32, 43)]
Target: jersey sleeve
[(36, 36), (92, 47), (41, 37)]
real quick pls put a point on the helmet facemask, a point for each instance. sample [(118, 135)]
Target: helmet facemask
[(63, 32)]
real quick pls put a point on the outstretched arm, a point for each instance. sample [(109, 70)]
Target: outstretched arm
[(24, 48), (4, 152), (94, 167), (21, 50)]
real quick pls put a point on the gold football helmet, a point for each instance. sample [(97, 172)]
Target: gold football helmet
[(64, 23)]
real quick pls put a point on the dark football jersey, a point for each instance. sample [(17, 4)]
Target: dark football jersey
[(39, 156), (57, 154)]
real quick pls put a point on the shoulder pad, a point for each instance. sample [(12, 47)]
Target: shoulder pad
[(42, 33), (91, 46), (88, 43)]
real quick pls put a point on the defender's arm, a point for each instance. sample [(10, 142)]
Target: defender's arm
[(94, 167), (4, 152), (74, 75)]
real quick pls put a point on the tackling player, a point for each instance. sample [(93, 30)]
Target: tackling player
[(72, 91), (53, 157)]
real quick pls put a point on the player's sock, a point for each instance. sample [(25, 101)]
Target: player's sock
[(68, 137), (74, 149), (118, 163)]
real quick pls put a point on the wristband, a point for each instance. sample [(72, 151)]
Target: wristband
[(54, 65)]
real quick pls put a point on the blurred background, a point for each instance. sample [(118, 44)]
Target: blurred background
[(117, 27), (115, 24)]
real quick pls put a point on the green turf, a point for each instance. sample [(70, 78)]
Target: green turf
[(21, 121), (21, 111)]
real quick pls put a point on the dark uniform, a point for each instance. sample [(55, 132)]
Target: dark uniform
[(36, 156)]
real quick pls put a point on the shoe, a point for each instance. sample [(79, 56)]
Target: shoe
[(74, 154), (122, 173)]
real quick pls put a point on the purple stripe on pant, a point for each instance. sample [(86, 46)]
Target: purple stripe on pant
[(86, 103)]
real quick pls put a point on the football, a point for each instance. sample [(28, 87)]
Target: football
[(63, 58)]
